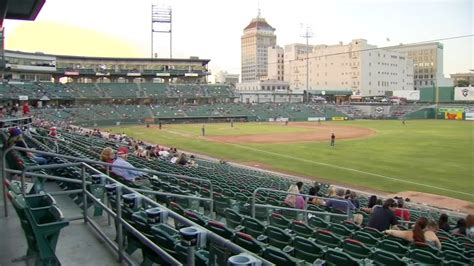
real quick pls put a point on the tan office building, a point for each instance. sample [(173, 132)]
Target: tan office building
[(257, 37)]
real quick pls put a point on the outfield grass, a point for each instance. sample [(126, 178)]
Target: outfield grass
[(424, 155)]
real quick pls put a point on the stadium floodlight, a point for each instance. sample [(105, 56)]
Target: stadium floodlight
[(161, 22)]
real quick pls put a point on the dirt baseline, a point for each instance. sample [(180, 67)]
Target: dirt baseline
[(317, 133)]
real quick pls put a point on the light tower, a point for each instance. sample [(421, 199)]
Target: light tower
[(308, 34), (161, 22)]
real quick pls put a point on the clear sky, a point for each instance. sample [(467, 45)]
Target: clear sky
[(212, 28)]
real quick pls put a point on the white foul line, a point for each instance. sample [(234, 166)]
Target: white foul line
[(341, 167)]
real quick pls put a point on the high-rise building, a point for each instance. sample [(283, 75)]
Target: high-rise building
[(223, 77), (257, 37), (463, 79), (427, 63), (356, 66)]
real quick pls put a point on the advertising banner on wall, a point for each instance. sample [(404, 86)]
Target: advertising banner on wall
[(315, 119), (453, 116), (339, 118), (469, 116), (410, 95), (464, 94)]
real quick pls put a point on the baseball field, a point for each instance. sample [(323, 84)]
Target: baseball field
[(430, 156)]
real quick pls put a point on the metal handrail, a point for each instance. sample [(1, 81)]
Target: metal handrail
[(307, 196), (211, 187), (222, 242)]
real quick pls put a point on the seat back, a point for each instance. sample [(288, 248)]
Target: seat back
[(382, 257), (279, 221), (280, 258), (336, 257), (232, 218), (220, 229), (356, 249), (393, 247), (423, 256), (327, 238), (301, 229), (318, 223), (340, 230), (307, 249), (248, 242), (365, 238), (253, 227), (277, 237)]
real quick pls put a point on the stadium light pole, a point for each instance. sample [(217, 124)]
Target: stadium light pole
[(308, 34)]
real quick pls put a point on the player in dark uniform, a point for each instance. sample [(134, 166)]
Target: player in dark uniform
[(333, 139)]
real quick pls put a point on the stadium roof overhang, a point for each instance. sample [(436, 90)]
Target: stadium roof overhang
[(20, 9)]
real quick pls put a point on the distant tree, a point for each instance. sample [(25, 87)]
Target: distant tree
[(463, 83)]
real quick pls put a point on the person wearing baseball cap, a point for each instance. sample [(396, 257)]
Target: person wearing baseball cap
[(128, 174)]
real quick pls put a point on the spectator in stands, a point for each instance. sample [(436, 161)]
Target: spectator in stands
[(174, 159), (358, 219), (347, 195), (16, 139), (354, 200), (295, 201), (339, 203), (400, 211), (470, 226), (443, 222), (383, 217), (331, 192), (299, 184), (192, 162), (314, 191), (131, 175), (182, 160), (26, 109), (423, 231), (163, 153), (107, 155), (460, 227)]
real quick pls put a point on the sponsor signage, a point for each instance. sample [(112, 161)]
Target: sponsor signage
[(191, 74), (102, 74), (464, 94), (469, 116), (313, 119), (339, 118), (451, 110), (23, 97), (162, 74), (133, 74), (379, 109), (71, 73)]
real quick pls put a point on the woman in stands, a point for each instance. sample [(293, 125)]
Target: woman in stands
[(460, 227), (372, 202), (443, 222), (295, 201), (423, 231), (107, 155)]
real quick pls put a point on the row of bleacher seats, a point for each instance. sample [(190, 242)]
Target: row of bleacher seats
[(260, 112), (38, 90), (279, 236)]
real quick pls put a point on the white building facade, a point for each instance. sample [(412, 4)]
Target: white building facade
[(257, 37), (275, 63), (223, 77), (357, 66)]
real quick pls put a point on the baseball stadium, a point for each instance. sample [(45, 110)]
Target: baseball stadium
[(142, 161)]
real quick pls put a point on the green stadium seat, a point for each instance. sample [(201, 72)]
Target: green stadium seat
[(423, 256), (382, 257), (327, 238), (232, 218), (340, 230), (317, 222), (280, 258), (301, 229), (457, 257), (253, 227), (220, 229), (277, 237), (279, 221), (356, 249), (393, 247), (337, 257), (249, 243), (365, 238), (307, 249)]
